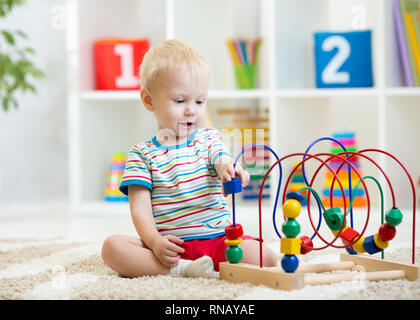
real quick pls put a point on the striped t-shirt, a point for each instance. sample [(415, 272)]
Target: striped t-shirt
[(186, 191)]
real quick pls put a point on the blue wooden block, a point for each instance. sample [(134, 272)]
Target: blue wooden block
[(233, 186), (351, 251), (370, 245), (343, 59)]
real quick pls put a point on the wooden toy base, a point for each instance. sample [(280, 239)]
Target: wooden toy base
[(367, 267)]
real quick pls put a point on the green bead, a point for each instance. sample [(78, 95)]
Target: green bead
[(393, 217), (233, 254), (334, 218), (291, 228)]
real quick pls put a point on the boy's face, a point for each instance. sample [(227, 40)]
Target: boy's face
[(178, 102)]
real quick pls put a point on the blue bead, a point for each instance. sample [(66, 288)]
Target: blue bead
[(351, 251), (233, 186), (289, 263), (370, 246), (295, 195)]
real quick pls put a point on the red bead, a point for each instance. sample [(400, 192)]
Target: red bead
[(386, 232), (348, 235), (234, 232), (307, 242)]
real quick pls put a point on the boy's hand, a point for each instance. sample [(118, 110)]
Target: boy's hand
[(167, 249), (227, 172)]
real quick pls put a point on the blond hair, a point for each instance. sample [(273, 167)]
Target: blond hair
[(172, 56)]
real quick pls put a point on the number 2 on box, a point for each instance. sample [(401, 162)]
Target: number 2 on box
[(127, 78), (330, 73)]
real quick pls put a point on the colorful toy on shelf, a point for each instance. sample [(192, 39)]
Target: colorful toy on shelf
[(244, 54), (343, 59), (298, 182), (244, 126), (117, 61), (115, 173), (292, 275), (348, 140)]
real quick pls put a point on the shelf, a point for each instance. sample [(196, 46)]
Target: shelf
[(239, 94), (403, 92), (326, 93), (104, 121), (97, 95), (133, 95)]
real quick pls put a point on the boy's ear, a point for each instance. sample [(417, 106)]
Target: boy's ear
[(146, 98)]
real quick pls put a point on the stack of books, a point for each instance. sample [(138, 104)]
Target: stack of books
[(407, 24)]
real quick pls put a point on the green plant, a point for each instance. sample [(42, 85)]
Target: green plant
[(15, 67)]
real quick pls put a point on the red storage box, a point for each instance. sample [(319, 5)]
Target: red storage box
[(117, 63)]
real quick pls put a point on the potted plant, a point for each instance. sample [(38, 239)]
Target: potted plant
[(16, 70)]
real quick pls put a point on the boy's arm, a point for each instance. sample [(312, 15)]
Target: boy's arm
[(166, 248)]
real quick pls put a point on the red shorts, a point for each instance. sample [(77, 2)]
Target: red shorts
[(214, 248)]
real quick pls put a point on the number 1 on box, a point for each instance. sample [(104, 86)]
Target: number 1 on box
[(127, 78)]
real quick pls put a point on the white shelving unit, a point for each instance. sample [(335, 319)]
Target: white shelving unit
[(385, 116)]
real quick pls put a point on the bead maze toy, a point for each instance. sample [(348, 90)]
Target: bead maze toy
[(359, 247)]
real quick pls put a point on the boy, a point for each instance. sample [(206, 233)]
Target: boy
[(174, 180)]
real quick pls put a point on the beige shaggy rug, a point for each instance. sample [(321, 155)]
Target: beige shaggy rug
[(63, 269)]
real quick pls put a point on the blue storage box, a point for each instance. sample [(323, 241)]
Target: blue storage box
[(343, 59)]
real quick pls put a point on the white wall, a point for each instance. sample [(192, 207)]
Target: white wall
[(33, 147)]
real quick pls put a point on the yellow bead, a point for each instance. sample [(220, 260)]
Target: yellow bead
[(379, 242), (291, 208), (290, 245), (358, 246), (336, 232), (233, 242)]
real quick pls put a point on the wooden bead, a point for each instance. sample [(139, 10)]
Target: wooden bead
[(393, 217), (291, 208), (233, 242), (233, 186), (290, 245), (379, 242), (307, 242), (358, 245), (350, 250), (334, 218), (233, 254), (370, 246), (289, 263), (291, 228), (234, 232), (386, 232), (348, 235), (338, 231)]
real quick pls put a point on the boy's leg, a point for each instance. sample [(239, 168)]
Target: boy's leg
[(130, 257), (251, 253)]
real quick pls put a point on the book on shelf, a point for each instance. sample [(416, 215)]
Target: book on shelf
[(407, 22), (402, 45)]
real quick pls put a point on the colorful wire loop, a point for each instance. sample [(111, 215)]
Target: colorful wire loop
[(345, 157)]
